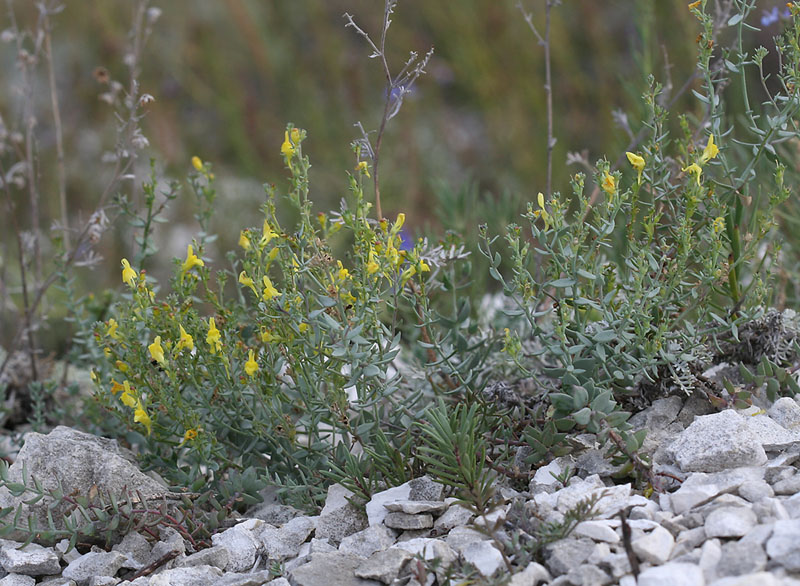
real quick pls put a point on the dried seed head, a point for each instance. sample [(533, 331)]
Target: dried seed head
[(101, 75)]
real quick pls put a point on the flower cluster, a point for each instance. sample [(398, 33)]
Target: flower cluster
[(709, 152)]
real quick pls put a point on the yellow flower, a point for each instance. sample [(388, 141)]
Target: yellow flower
[(185, 341), (106, 351), (302, 327), (609, 184), (251, 366), (197, 163), (363, 168), (93, 376), (268, 234), (156, 351), (128, 274), (718, 225), (121, 366), (392, 255), (401, 219), (289, 147), (710, 151), (637, 162), (112, 328), (189, 435), (343, 272), (244, 241), (247, 281), (127, 397), (214, 338), (347, 298), (423, 266), (269, 290), (116, 387), (693, 168), (694, 5), (407, 274), (542, 211), (372, 266), (265, 335), (191, 261), (141, 416)]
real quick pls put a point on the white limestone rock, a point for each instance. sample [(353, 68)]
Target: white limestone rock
[(242, 548), (672, 574), (730, 522), (339, 518), (598, 530), (654, 547), (786, 413), (31, 560), (783, 546), (484, 556), (368, 541), (716, 442)]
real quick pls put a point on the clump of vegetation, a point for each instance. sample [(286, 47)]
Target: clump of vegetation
[(331, 346)]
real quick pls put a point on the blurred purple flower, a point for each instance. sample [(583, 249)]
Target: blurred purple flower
[(406, 242), (770, 17)]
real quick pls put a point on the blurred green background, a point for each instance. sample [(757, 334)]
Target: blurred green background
[(227, 76)]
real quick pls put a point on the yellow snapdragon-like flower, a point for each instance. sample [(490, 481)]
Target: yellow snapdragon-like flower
[(156, 351), (128, 274), (190, 435), (718, 225), (141, 416), (541, 212), (191, 261), (343, 272), (710, 151), (609, 184), (197, 163), (265, 335), (363, 168), (247, 281), (214, 338), (289, 146), (637, 162), (694, 168), (268, 234), (372, 266), (244, 241), (127, 397), (251, 366), (392, 255), (185, 341), (112, 328), (269, 290)]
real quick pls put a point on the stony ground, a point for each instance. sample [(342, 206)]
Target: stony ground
[(728, 514)]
